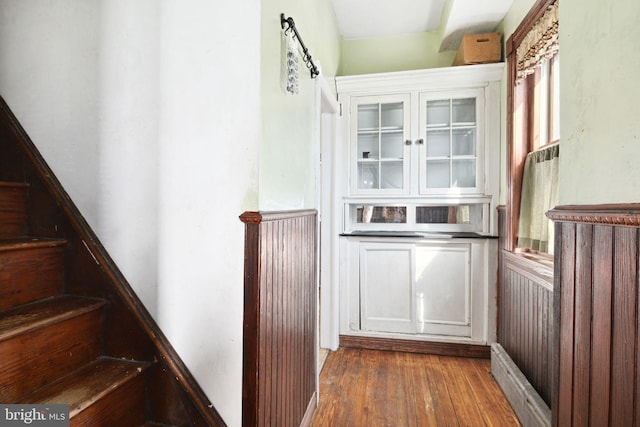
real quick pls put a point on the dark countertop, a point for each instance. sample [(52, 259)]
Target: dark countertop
[(420, 234)]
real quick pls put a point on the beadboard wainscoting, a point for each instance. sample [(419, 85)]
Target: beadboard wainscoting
[(280, 318), (597, 318), (522, 359)]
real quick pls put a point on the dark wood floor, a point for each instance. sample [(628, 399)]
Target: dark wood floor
[(382, 388)]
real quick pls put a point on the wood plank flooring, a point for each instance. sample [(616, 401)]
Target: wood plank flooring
[(361, 387)]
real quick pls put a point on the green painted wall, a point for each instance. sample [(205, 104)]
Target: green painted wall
[(288, 148), (600, 101), (397, 53)]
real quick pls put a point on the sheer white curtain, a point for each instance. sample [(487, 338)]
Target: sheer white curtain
[(539, 194)]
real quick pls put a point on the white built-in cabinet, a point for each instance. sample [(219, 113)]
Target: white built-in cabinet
[(421, 158)]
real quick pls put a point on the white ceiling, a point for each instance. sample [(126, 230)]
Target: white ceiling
[(359, 19)]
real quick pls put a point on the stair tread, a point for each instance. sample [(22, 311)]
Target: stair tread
[(88, 384), (37, 314), (29, 243)]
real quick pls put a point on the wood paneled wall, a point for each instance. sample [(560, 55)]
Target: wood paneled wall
[(525, 314), (597, 315), (279, 361)]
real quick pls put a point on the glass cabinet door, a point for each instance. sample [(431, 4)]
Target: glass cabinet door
[(450, 133), (379, 153)]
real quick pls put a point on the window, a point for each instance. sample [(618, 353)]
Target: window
[(533, 126), (545, 108)]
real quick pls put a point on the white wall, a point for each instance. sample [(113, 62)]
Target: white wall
[(209, 137), (128, 54), (49, 77), (599, 102), (149, 114)]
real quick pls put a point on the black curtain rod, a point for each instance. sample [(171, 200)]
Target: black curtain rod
[(306, 55)]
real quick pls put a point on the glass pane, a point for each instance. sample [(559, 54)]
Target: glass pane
[(555, 98), (434, 215), (367, 175), (392, 145), (464, 142), (381, 214), (368, 116), (392, 115), (464, 111), (443, 214), (463, 173), (437, 173), (438, 143), (438, 113), (368, 146), (541, 106), (391, 175)]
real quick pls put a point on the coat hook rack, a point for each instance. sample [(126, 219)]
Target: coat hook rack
[(306, 57)]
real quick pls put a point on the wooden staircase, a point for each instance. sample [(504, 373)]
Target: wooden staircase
[(71, 328)]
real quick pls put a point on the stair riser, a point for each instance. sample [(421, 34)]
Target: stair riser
[(13, 212), (31, 360), (28, 275), (123, 407)]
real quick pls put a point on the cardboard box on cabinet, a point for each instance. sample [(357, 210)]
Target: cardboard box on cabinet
[(479, 49)]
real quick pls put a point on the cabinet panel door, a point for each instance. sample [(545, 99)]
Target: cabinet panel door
[(386, 287), (380, 125), (443, 289)]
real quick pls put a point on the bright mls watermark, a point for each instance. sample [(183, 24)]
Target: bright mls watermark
[(34, 415)]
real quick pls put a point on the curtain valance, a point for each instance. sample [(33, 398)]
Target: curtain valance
[(539, 43)]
